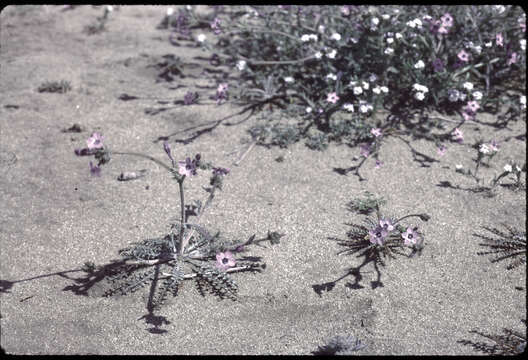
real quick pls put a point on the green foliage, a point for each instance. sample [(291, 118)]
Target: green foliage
[(510, 244), (366, 204)]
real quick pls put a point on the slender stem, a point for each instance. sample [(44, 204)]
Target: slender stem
[(192, 275), (144, 156), (182, 219), (411, 215)]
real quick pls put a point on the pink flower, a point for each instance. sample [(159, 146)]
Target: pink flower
[(376, 132), (494, 146), (463, 56), (95, 141), (468, 116), (443, 30), (377, 235), (447, 20), (410, 236), (364, 150), (473, 106), (332, 97), (225, 260), (386, 224), (499, 39), (512, 59), (442, 150), (459, 135)]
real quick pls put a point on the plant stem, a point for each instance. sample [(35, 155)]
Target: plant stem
[(182, 219), (421, 216)]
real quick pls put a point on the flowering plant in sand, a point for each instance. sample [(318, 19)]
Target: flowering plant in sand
[(333, 67), (188, 251)]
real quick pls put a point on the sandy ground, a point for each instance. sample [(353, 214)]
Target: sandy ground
[(54, 216)]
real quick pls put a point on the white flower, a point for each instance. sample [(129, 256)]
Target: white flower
[(389, 51), (390, 40), (241, 64), (374, 21), (419, 65), (365, 85), (312, 37), (201, 38), (288, 79), (398, 36), (468, 86), (499, 8), (189, 7), (332, 54), (363, 108), (354, 40), (318, 55), (331, 76), (308, 109), (477, 95), (305, 38), (358, 90), (488, 44), (384, 89), (336, 36), (518, 169), (478, 49), (459, 166), (396, 11), (419, 96), (376, 90), (522, 100), (109, 8), (420, 88), (418, 23), (321, 28), (508, 168), (170, 11), (484, 149), (385, 16), (352, 83), (348, 107), (426, 17), (522, 42)]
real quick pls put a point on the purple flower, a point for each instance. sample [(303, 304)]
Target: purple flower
[(463, 56), (215, 25), (459, 135), (187, 167), (95, 141), (410, 236), (225, 260), (438, 65), (512, 59), (167, 149), (499, 39), (376, 132), (386, 224), (442, 150), (220, 171), (190, 97), (377, 235), (494, 146), (221, 93), (95, 170), (378, 164), (447, 20), (332, 98), (473, 106), (364, 150)]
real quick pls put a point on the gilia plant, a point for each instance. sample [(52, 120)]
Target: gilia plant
[(506, 245), (333, 67), (188, 251), (379, 238)]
